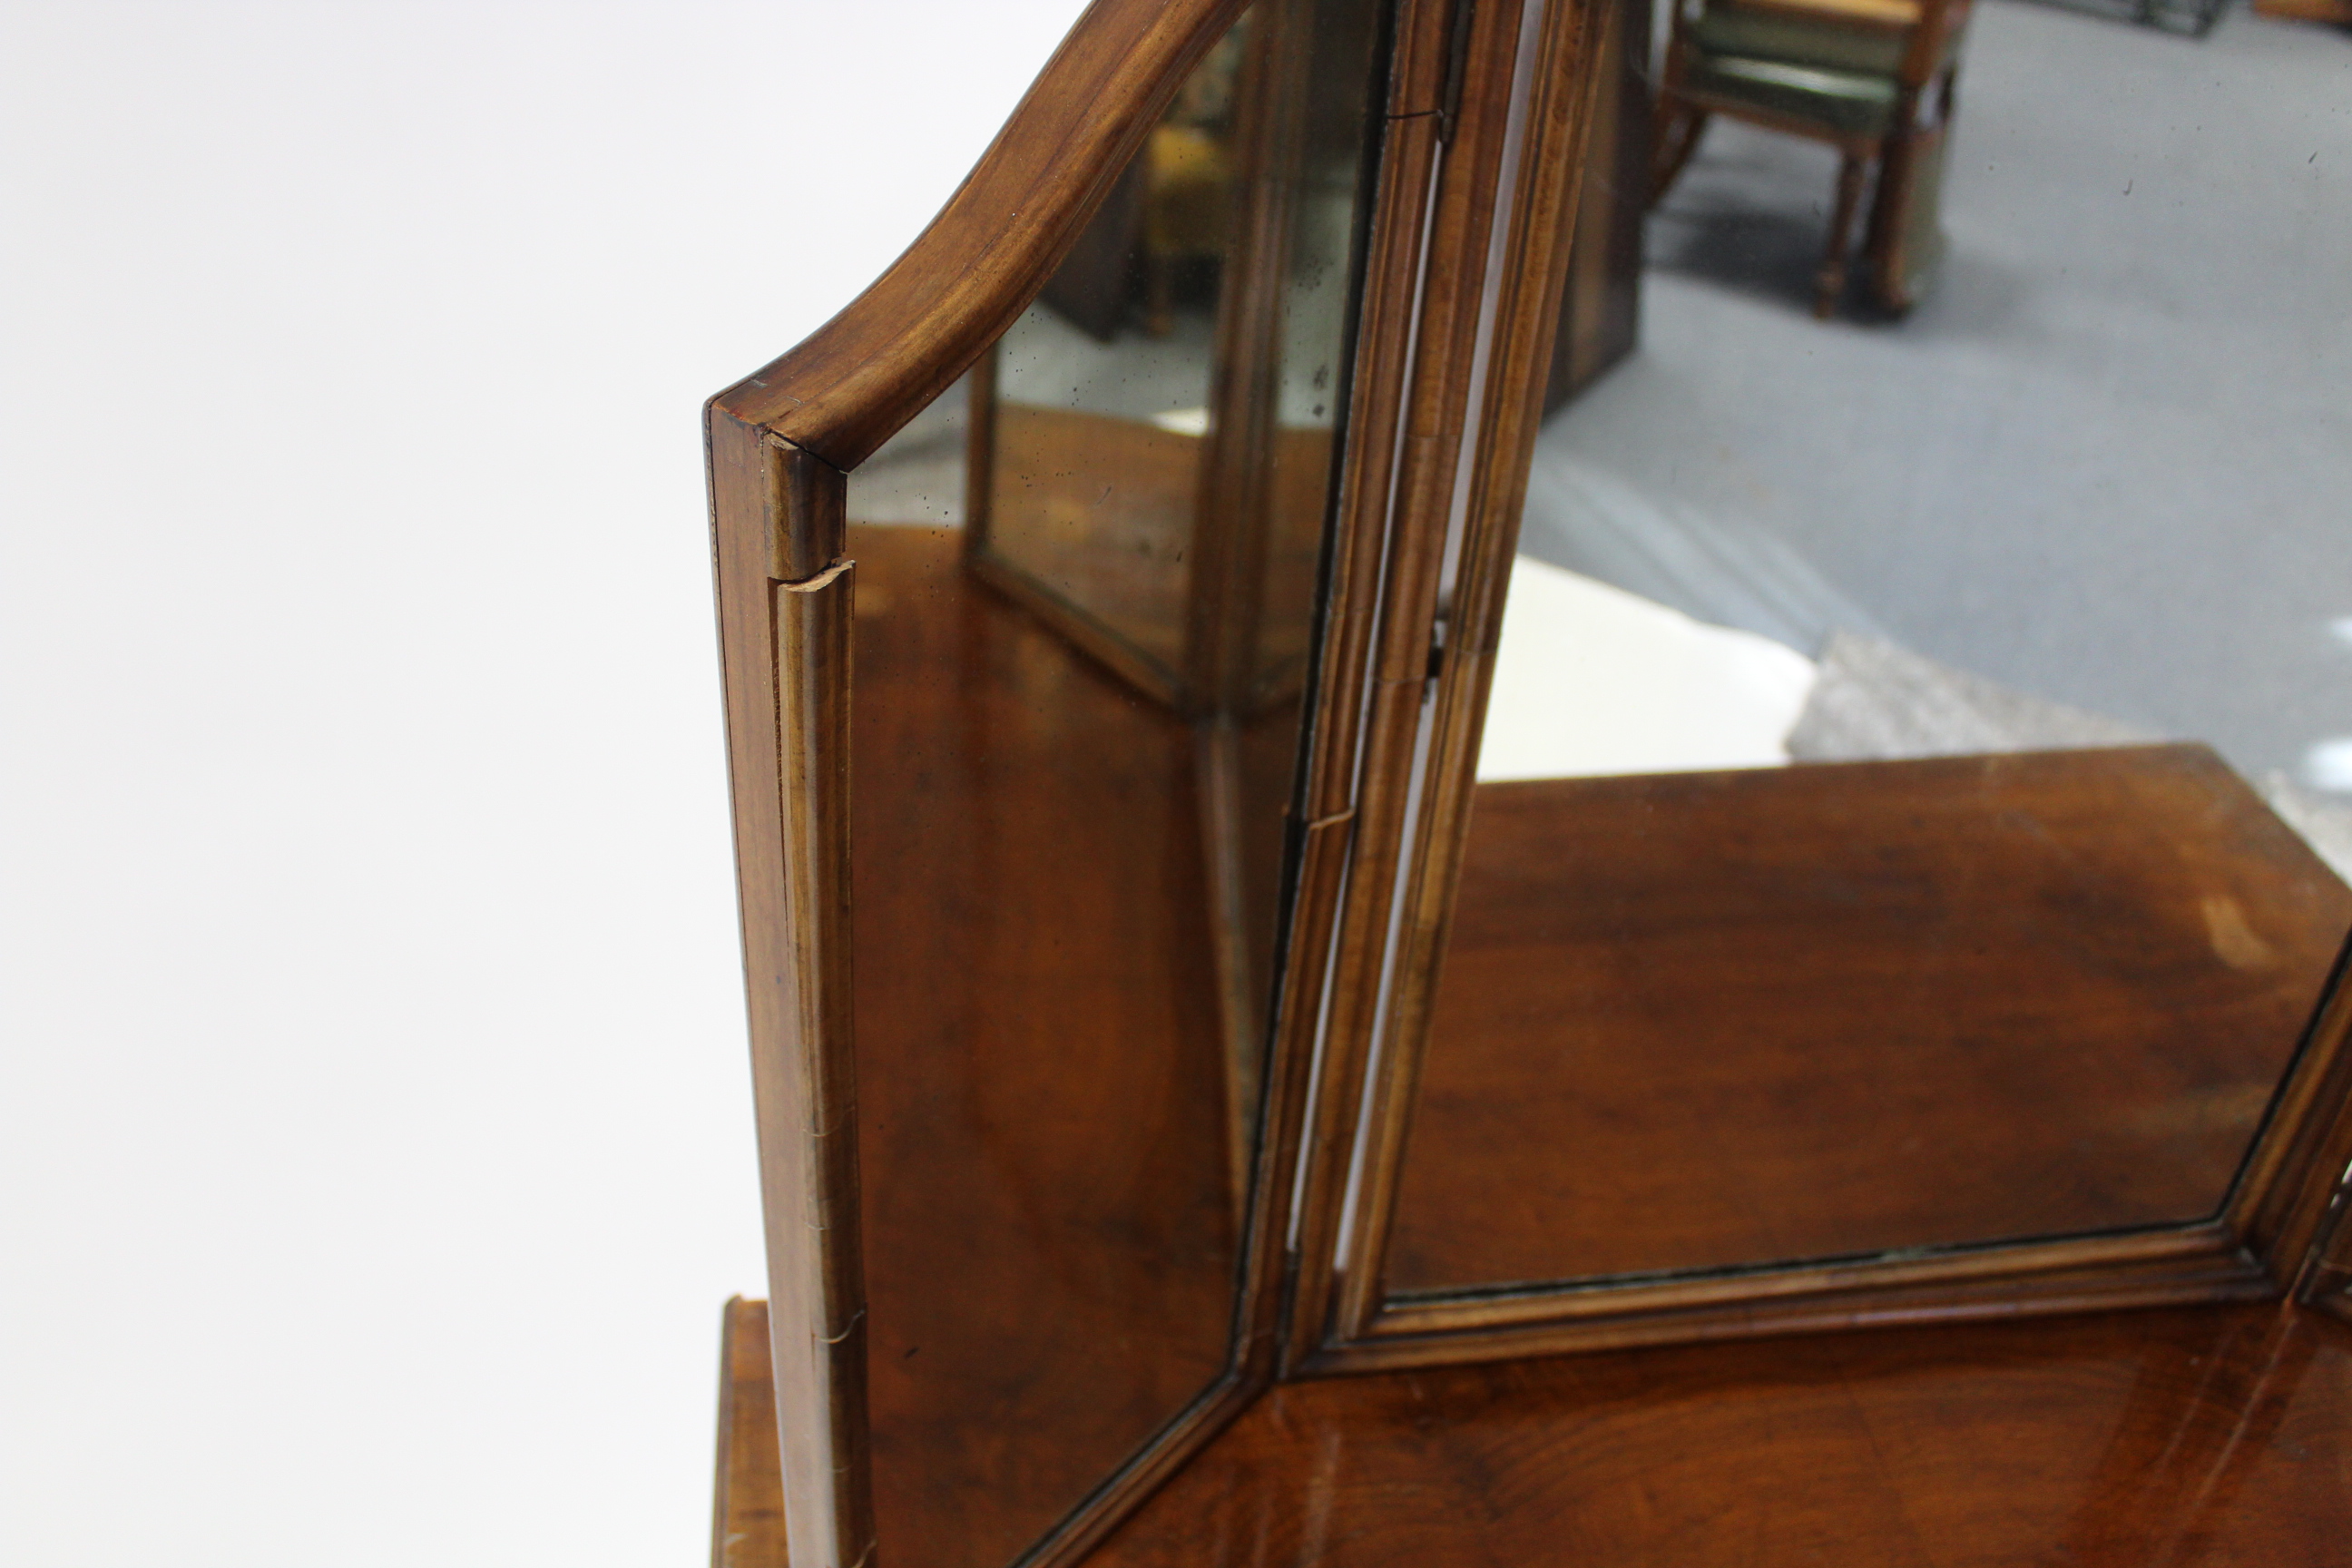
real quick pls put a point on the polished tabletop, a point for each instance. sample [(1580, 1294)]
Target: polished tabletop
[(2127, 1440), (2202, 1436)]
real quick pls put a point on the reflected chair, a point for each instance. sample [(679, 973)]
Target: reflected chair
[(1188, 179), (1872, 77)]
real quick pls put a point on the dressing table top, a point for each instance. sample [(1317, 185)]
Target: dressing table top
[(2120, 1441)]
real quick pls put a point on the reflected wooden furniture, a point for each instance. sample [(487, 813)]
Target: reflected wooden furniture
[(1096, 567), (1188, 184), (1873, 79), (1601, 308), (1180, 543)]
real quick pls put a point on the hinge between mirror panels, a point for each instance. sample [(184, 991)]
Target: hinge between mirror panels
[(1458, 57)]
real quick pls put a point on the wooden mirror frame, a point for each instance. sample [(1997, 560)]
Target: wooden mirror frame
[(780, 444), (2266, 1238)]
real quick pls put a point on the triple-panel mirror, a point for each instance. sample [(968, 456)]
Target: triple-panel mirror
[(1453, 739)]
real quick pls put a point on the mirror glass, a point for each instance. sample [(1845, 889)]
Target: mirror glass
[(1915, 789), (1085, 590), (1155, 432)]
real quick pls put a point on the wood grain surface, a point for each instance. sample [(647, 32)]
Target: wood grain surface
[(1696, 1020), (2204, 1437), (2189, 1438), (783, 649), (2327, 1281), (747, 1515)]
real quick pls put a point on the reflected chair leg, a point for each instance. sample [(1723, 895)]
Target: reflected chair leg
[(1159, 293), (1886, 265), (1829, 283), (1676, 137), (1882, 231), (1675, 122)]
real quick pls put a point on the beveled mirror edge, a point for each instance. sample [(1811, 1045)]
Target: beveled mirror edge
[(2265, 1241)]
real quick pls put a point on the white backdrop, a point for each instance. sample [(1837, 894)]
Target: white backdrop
[(374, 1124)]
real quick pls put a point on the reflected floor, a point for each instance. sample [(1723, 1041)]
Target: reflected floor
[(2104, 463)]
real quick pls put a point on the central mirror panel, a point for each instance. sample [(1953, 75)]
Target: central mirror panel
[(1915, 754), (1085, 595)]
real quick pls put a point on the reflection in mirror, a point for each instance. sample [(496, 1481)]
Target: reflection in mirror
[(1155, 434), (1074, 726), (1914, 798)]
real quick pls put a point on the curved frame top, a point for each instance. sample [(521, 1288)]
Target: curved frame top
[(855, 381)]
